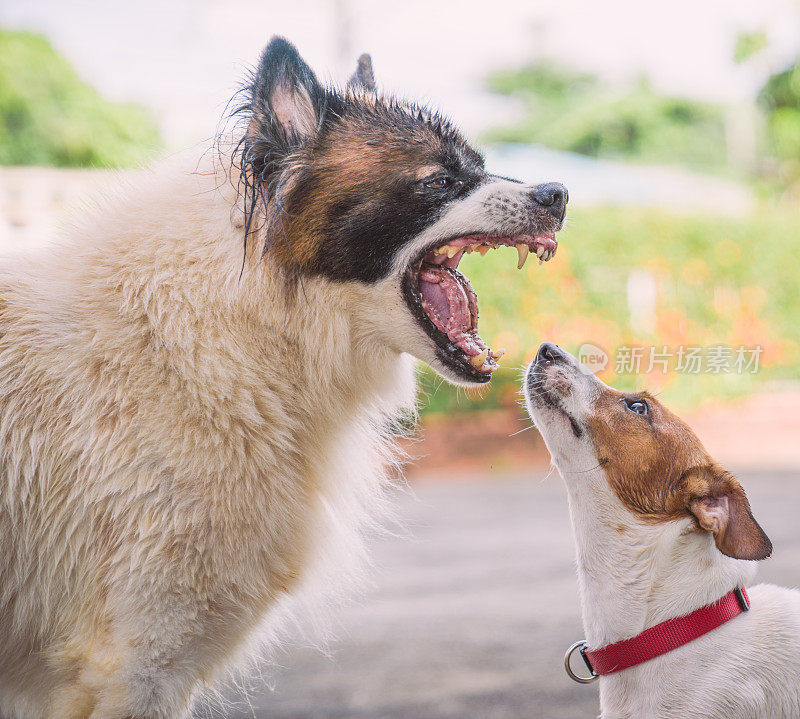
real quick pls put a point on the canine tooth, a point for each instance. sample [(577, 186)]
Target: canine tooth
[(478, 360), (522, 250), (540, 251), (483, 249), (498, 353), (452, 251)]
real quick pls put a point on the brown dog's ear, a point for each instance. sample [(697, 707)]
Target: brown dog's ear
[(363, 77), (719, 504), (287, 99)]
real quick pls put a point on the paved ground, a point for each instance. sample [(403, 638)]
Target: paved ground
[(471, 615)]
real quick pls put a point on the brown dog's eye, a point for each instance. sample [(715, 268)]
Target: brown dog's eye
[(638, 406), (438, 183)]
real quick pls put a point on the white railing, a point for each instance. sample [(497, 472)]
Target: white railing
[(35, 201)]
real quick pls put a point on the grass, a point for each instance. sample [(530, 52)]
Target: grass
[(717, 281)]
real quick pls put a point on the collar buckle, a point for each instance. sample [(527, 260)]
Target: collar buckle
[(582, 647), (742, 598)]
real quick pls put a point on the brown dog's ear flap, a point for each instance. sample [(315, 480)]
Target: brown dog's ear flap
[(287, 98), (722, 508), (363, 77)]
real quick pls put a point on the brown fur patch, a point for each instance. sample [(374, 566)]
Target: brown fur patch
[(645, 458), (660, 471)]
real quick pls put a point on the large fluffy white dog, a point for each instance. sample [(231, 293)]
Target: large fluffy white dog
[(197, 384)]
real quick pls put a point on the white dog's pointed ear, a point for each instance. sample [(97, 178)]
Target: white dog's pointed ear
[(287, 97), (363, 77), (720, 506)]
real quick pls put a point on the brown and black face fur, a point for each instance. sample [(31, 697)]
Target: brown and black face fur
[(344, 178), (360, 195), (345, 184)]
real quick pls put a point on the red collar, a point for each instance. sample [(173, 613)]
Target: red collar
[(660, 639)]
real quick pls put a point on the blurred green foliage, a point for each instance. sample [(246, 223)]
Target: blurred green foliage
[(780, 99), (576, 112), (720, 281), (49, 116), (749, 44)]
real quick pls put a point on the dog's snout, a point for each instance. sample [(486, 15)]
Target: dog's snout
[(548, 352), (553, 196)]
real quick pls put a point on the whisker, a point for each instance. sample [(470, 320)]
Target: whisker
[(520, 431), (583, 471)]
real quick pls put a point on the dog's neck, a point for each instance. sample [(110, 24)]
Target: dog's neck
[(305, 338), (634, 575), (327, 326)]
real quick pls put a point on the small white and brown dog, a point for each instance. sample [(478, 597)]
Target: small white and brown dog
[(663, 535)]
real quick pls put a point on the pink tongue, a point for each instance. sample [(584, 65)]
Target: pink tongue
[(437, 303), (452, 306)]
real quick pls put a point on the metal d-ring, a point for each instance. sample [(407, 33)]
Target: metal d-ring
[(581, 645)]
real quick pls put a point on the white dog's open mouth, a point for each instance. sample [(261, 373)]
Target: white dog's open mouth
[(444, 302)]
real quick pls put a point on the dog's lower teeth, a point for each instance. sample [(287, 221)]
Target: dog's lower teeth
[(522, 250), (478, 360)]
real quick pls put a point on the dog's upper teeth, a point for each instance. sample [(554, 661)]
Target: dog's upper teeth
[(540, 251), (498, 353), (452, 251), (478, 360), (522, 250), (483, 249)]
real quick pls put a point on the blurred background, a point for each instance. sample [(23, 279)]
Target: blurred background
[(675, 126)]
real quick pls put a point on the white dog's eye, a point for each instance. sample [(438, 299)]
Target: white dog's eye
[(639, 406)]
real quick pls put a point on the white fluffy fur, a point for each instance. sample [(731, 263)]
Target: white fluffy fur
[(181, 449), (632, 580)]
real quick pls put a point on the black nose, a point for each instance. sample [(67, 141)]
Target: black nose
[(548, 352), (553, 196)]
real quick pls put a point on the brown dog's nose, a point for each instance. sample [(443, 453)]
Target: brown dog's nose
[(553, 196), (548, 352)]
